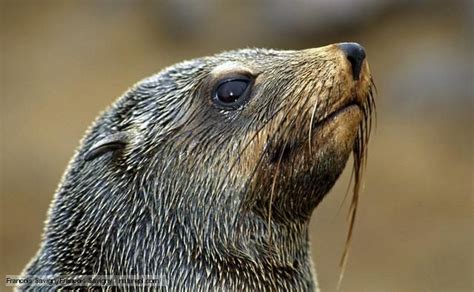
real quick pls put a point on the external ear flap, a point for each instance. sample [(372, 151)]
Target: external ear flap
[(110, 143)]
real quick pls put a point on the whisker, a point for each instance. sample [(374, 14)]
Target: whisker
[(347, 191), (360, 154), (313, 114), (270, 202)]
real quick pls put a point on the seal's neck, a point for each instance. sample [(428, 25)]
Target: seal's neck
[(278, 253)]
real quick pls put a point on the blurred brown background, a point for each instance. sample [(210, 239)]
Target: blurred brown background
[(64, 61)]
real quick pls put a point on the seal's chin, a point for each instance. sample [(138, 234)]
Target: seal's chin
[(322, 151), (305, 171), (333, 135), (339, 128), (333, 138), (332, 143)]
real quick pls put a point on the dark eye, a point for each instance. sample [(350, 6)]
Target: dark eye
[(232, 92)]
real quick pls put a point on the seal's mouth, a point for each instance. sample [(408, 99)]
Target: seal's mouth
[(352, 104)]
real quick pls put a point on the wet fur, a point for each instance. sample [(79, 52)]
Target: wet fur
[(208, 198)]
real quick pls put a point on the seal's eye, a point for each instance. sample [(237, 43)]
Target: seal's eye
[(232, 92)]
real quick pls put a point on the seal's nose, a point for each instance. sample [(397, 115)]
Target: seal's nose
[(355, 53)]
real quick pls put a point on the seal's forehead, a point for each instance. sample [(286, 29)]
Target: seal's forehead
[(233, 67), (253, 55)]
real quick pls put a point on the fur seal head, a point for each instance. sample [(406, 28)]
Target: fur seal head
[(208, 172)]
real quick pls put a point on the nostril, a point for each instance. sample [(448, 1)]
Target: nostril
[(355, 53)]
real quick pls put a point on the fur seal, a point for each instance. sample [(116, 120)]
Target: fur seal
[(207, 173)]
